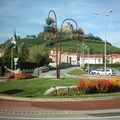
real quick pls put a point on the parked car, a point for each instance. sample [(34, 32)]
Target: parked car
[(50, 67), (90, 69), (95, 71), (44, 69), (110, 72)]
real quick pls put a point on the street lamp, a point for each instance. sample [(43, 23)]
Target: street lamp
[(13, 42), (61, 31), (52, 29), (88, 56), (105, 29)]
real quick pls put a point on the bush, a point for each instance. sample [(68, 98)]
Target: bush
[(23, 76), (114, 65), (104, 86), (87, 86), (99, 86)]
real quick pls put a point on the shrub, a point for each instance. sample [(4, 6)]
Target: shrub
[(87, 86), (116, 81), (104, 86), (23, 76), (99, 86)]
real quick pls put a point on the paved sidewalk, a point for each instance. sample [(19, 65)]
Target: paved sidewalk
[(58, 99), (96, 103)]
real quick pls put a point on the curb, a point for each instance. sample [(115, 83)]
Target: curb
[(58, 99)]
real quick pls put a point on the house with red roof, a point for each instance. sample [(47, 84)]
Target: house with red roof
[(81, 59)]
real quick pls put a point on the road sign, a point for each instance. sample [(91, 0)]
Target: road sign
[(15, 60)]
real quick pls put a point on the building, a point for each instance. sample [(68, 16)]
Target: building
[(68, 30), (114, 58), (80, 59), (2, 52)]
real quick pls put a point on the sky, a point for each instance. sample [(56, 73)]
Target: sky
[(27, 17)]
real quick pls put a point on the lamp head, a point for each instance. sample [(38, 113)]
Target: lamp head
[(97, 13), (110, 11)]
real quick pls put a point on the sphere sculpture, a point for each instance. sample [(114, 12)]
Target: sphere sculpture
[(49, 21), (50, 26), (50, 29)]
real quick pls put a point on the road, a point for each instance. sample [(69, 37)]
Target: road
[(52, 73), (79, 110), (61, 115), (63, 74)]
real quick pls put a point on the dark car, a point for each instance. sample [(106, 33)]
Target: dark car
[(90, 69), (44, 69), (50, 67)]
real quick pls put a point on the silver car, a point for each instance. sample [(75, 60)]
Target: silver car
[(95, 71), (109, 72)]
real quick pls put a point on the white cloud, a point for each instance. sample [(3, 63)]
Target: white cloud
[(28, 16)]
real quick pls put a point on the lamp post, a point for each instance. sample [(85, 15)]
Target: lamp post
[(14, 45), (88, 56), (61, 30), (52, 29), (105, 36)]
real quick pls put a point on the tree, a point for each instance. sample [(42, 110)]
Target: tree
[(78, 34), (22, 52), (39, 54)]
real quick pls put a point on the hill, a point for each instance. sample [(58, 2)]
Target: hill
[(95, 44)]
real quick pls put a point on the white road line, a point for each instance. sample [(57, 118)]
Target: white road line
[(77, 118)]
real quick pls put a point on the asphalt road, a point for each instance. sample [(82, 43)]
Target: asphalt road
[(63, 74), (61, 115), (52, 73), (84, 110)]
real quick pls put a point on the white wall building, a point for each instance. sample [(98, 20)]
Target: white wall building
[(1, 52), (80, 59), (114, 58)]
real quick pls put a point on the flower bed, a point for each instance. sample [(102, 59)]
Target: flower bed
[(23, 76), (99, 86), (90, 87)]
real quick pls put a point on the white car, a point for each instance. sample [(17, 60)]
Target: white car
[(95, 71), (107, 72)]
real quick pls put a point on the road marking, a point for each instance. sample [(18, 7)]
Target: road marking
[(77, 118)]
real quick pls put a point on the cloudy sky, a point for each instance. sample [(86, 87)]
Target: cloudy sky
[(28, 17)]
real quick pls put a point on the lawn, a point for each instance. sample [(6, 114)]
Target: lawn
[(37, 86), (33, 87), (77, 72)]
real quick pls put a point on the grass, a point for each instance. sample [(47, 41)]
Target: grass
[(37, 86), (32, 87), (77, 72)]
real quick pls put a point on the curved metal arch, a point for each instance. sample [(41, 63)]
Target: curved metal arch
[(56, 40), (68, 19), (49, 13)]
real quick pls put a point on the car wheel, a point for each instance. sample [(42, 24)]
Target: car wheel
[(110, 74)]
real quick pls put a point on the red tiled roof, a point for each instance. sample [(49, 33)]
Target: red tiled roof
[(90, 55)]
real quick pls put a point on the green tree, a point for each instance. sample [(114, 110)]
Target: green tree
[(39, 54), (8, 49), (22, 52)]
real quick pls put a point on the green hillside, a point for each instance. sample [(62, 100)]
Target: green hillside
[(95, 44)]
